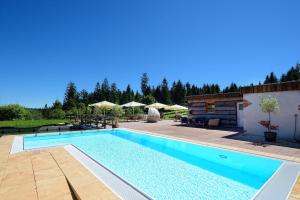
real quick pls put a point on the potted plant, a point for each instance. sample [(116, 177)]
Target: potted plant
[(269, 105)]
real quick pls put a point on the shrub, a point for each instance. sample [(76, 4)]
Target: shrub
[(81, 108), (13, 112), (138, 110), (34, 114), (117, 111), (72, 111), (56, 114)]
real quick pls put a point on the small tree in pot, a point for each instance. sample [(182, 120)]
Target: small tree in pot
[(269, 104)]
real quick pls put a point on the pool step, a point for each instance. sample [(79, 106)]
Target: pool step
[(82, 182), (120, 187)]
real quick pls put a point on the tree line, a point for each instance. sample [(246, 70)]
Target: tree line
[(293, 74), (175, 93)]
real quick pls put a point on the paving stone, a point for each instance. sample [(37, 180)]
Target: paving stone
[(47, 174), (52, 187), (17, 178)]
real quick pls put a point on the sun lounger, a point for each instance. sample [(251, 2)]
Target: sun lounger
[(213, 123)]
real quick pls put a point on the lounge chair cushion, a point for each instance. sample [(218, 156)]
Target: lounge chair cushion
[(213, 122)]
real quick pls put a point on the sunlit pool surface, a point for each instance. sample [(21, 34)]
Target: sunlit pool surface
[(169, 169)]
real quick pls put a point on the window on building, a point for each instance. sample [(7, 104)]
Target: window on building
[(241, 106), (210, 107)]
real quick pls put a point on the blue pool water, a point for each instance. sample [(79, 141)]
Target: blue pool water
[(169, 169)]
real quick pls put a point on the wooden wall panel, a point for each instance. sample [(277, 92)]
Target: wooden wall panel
[(224, 110)]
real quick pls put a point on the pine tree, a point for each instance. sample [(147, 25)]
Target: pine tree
[(84, 97), (105, 90), (297, 72), (137, 97), (156, 93), (206, 89), (165, 93), (71, 97), (146, 89), (214, 88), (121, 95), (129, 94), (233, 87), (172, 92), (294, 73), (283, 78), (45, 112), (57, 105), (188, 89), (114, 95), (271, 78), (267, 80), (179, 95), (194, 90), (226, 89), (149, 99), (97, 95)]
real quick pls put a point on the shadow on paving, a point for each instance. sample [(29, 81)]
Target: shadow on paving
[(257, 140)]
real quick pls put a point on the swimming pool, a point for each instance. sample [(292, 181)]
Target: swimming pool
[(169, 169)]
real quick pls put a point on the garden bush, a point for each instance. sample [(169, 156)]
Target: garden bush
[(57, 114), (14, 112)]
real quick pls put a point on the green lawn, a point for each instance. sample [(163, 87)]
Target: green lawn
[(31, 123), (171, 114)]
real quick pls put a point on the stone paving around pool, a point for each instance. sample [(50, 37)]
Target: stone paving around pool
[(46, 174), (55, 174), (228, 139)]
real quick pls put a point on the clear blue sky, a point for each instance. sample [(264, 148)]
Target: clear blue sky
[(46, 44)]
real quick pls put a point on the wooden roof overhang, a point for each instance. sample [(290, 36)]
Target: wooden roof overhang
[(211, 98), (273, 87)]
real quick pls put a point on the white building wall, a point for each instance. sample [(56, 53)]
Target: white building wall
[(289, 101)]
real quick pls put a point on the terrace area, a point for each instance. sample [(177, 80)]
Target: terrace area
[(228, 138), (55, 174)]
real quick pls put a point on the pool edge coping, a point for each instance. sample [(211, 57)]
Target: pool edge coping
[(235, 149), (112, 181), (224, 147)]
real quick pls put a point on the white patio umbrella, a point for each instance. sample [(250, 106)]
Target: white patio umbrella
[(132, 105), (157, 106), (176, 107), (104, 105)]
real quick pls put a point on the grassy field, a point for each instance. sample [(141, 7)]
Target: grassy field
[(171, 114), (30, 123)]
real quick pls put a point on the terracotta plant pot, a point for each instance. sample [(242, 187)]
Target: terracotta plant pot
[(270, 136)]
